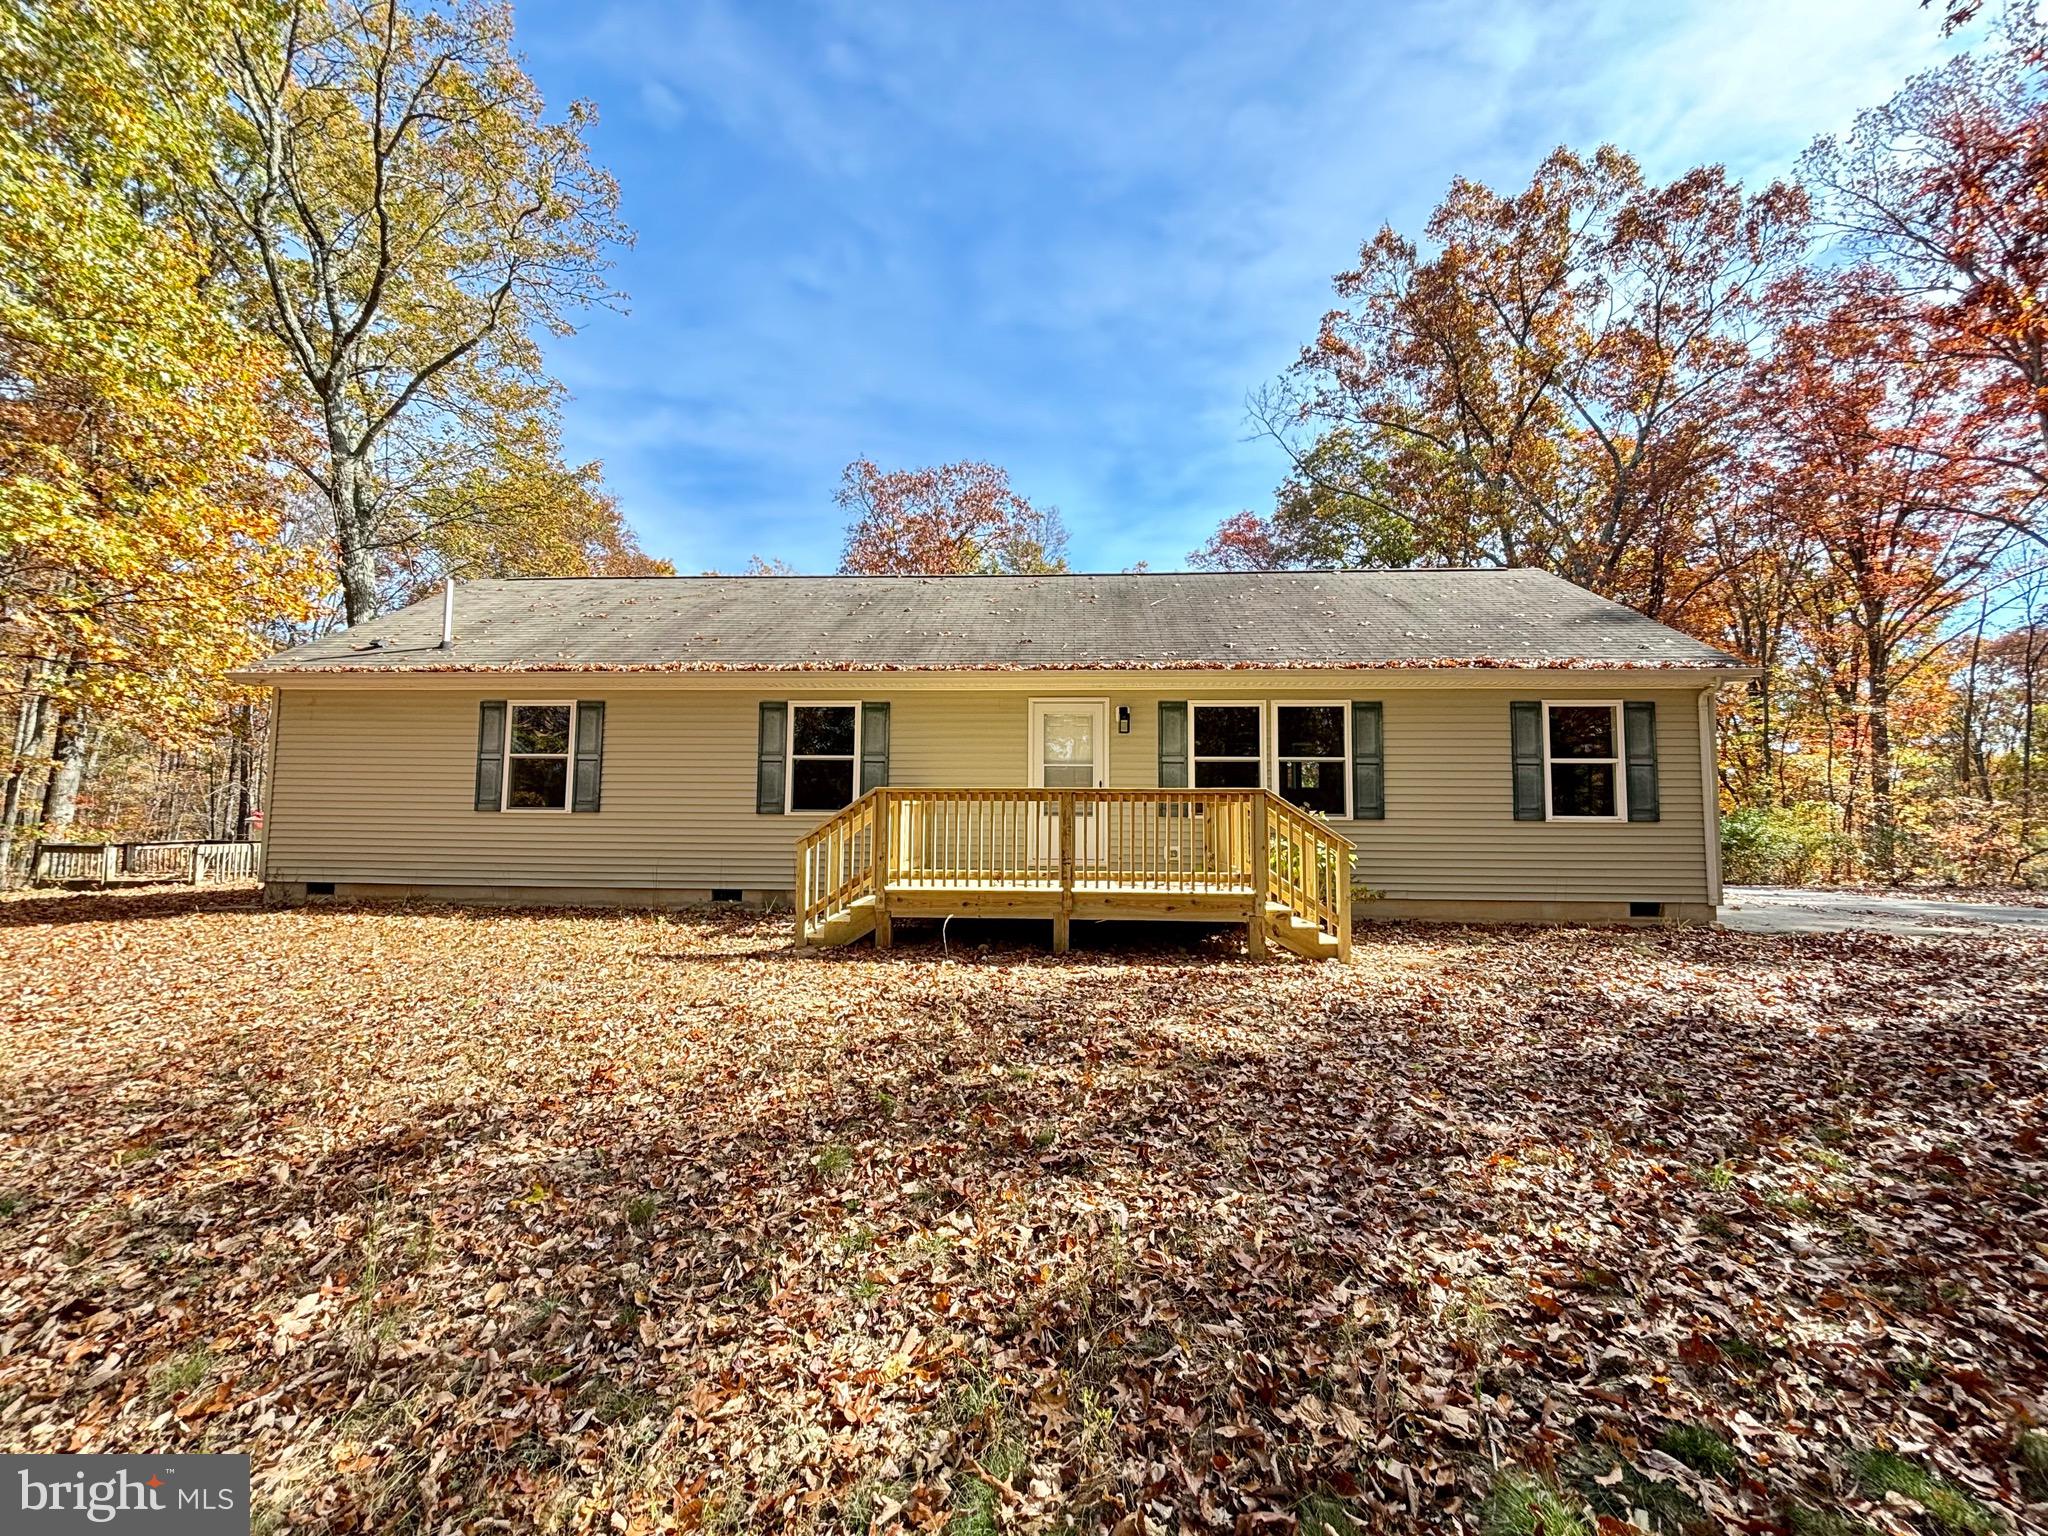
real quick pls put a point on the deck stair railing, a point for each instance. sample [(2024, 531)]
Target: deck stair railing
[(1225, 854)]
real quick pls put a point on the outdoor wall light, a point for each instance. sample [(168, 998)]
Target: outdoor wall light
[(1123, 719)]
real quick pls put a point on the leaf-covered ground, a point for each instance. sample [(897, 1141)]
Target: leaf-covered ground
[(472, 1221)]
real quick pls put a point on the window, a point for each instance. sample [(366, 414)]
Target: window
[(1312, 757), (1227, 746), (1582, 762), (824, 756), (537, 757)]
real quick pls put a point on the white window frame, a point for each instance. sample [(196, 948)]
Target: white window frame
[(1343, 708), (512, 706), (1258, 760), (789, 753), (1619, 762)]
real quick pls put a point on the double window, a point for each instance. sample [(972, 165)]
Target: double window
[(539, 743), (1582, 762), (1311, 751), (824, 756)]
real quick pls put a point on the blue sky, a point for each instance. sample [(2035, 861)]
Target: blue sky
[(1070, 239)]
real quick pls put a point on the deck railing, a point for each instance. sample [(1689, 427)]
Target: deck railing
[(193, 863), (1233, 849)]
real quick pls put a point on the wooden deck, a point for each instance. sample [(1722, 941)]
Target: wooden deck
[(1197, 855)]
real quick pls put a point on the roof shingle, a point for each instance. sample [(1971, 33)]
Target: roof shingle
[(1308, 620)]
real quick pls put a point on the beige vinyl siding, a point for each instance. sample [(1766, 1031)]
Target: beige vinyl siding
[(376, 784)]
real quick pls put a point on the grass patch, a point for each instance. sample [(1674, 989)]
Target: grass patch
[(1699, 1448), (1718, 1177), (1521, 1505), (865, 1503), (613, 1402), (640, 1211), (1805, 1520), (833, 1160), (1321, 1514), (1736, 1347), (1667, 1508), (977, 1507), (179, 1374), (2033, 1454), (1915, 1371), (1953, 1511)]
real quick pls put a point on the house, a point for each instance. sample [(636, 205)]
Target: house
[(1472, 744)]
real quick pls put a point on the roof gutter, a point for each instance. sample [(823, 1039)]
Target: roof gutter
[(1491, 673)]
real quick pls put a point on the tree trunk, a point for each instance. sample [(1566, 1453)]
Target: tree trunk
[(31, 745), (354, 526), (1974, 762), (245, 750), (2030, 661), (71, 745), (1883, 811)]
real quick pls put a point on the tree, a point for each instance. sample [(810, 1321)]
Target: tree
[(142, 539), (1946, 188), (1550, 386), (949, 520), (400, 214), (1859, 418), (526, 513), (1317, 520)]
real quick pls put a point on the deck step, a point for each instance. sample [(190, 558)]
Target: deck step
[(1304, 938), (856, 922)]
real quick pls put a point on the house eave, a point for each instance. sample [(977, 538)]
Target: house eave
[(1491, 672)]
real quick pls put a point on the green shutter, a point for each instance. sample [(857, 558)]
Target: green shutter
[(874, 746), (490, 755), (1525, 720), (1639, 733), (588, 793), (771, 764), (1173, 746), (1368, 763), (1173, 752)]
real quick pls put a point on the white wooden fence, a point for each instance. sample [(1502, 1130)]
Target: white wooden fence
[(191, 863)]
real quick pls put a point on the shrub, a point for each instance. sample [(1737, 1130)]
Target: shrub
[(1782, 844)]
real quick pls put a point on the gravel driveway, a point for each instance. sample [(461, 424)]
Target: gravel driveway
[(1777, 909)]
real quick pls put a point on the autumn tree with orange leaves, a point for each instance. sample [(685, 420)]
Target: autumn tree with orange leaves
[(948, 520), (1546, 384), (1945, 188), (1854, 424), (1808, 444)]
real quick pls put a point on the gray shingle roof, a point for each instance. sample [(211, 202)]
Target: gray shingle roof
[(1285, 620)]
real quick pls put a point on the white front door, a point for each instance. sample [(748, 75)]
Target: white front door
[(1070, 750)]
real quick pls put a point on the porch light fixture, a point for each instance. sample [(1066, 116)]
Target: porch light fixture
[(1123, 719)]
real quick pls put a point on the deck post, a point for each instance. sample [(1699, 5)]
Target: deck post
[(884, 833), (802, 930), (110, 864), (1255, 923), (1060, 920), (1343, 907)]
